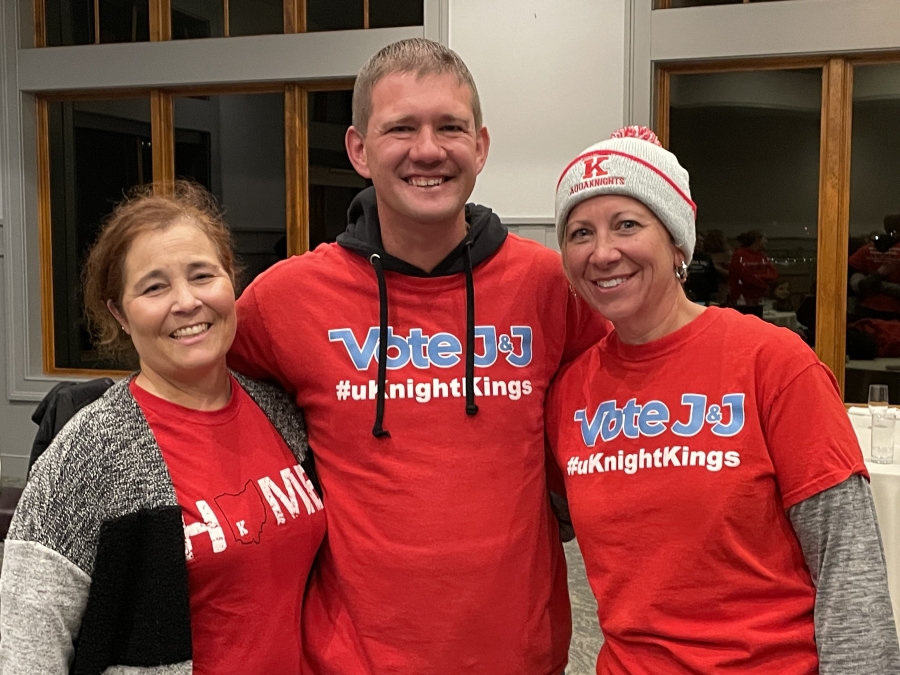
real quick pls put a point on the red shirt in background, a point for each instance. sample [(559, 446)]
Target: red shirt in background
[(253, 524), (868, 259), (750, 275)]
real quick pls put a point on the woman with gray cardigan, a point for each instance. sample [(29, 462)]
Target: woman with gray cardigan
[(170, 526)]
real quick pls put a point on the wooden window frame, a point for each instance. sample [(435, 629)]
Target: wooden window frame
[(295, 16), (162, 130), (833, 230), (161, 19), (45, 239)]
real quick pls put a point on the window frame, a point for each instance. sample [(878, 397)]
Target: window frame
[(833, 212), (833, 226), (43, 170), (294, 13), (312, 60), (162, 127), (724, 38)]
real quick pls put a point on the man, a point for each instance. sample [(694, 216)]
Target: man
[(442, 555)]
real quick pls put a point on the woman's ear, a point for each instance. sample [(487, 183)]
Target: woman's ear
[(111, 306)]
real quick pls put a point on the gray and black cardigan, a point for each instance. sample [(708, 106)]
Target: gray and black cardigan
[(94, 573)]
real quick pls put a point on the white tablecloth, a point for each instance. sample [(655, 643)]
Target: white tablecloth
[(885, 483), (785, 319)]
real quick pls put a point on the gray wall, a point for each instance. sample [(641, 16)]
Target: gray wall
[(16, 429)]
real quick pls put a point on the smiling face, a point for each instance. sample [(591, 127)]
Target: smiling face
[(621, 259), (177, 304), (421, 149), (783, 290)]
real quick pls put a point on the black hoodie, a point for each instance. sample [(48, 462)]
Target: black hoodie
[(485, 236)]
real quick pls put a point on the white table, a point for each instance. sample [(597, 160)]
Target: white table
[(784, 319), (885, 484)]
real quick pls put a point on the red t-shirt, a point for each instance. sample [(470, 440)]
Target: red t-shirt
[(681, 457), (442, 555), (252, 525), (868, 259)]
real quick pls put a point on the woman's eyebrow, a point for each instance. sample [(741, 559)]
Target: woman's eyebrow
[(148, 276)]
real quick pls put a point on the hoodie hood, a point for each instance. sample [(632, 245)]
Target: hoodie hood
[(363, 237)]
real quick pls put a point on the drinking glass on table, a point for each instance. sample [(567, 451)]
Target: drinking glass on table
[(882, 425)]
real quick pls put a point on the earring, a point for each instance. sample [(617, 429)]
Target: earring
[(572, 291), (682, 272)]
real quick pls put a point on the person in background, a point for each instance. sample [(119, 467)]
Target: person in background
[(443, 556), (702, 282), (781, 296), (715, 483), (875, 273), (720, 252), (750, 273), (169, 527)]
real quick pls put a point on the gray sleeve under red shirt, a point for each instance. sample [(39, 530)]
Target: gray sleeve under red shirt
[(838, 533)]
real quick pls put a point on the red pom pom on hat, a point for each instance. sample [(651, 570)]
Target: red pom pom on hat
[(643, 133)]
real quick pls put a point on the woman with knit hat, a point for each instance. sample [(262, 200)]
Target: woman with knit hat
[(716, 486)]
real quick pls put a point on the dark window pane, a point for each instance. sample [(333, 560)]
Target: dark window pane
[(233, 144), (197, 19), (193, 156), (124, 21), (83, 191), (333, 15), (873, 294), (750, 141), (69, 22), (331, 107), (389, 13), (255, 17), (332, 181)]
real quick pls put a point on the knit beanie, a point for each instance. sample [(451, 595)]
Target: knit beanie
[(631, 163)]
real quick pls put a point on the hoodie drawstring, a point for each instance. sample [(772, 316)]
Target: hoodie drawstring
[(378, 431), (471, 407)]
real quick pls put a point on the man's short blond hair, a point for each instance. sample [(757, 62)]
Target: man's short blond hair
[(415, 55)]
